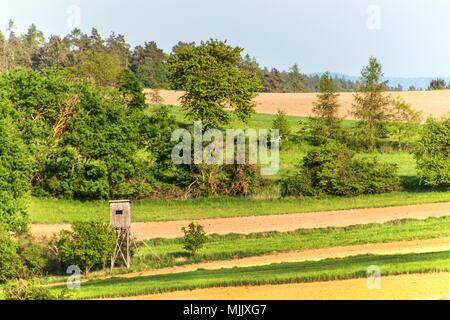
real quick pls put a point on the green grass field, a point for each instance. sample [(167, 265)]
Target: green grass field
[(330, 269), (67, 211)]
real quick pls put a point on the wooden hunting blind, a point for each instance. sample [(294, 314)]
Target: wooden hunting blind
[(120, 214), (120, 220)]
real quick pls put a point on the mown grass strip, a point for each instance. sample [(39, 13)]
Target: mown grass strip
[(326, 270)]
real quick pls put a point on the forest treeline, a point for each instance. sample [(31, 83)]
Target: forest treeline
[(92, 55)]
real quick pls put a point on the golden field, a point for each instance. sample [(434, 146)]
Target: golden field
[(430, 103)]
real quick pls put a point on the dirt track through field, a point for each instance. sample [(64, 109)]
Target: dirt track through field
[(404, 287), (282, 223), (434, 103)]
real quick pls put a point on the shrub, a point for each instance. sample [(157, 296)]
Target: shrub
[(403, 123), (433, 155), (90, 245), (21, 258), (282, 124), (15, 168), (226, 180), (30, 290), (333, 170), (194, 238), (9, 264), (85, 142), (131, 89), (34, 256)]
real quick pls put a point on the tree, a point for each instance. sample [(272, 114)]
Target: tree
[(437, 84), (90, 245), (403, 121), (34, 39), (210, 75), (194, 238), (295, 81), (6, 56), (281, 123), (159, 128), (52, 54), (15, 168), (96, 41), (327, 105), (117, 44), (371, 103), (101, 67), (433, 154), (273, 81), (149, 64), (131, 89), (19, 53), (250, 65)]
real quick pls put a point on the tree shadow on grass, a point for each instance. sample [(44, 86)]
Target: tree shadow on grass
[(414, 185)]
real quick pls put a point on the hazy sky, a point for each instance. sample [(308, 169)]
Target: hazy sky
[(410, 37)]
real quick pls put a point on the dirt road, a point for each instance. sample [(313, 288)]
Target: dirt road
[(404, 287), (434, 103), (282, 223)]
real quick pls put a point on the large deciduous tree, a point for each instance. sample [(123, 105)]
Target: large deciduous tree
[(212, 77)]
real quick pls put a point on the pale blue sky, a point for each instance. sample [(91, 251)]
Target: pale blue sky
[(413, 38)]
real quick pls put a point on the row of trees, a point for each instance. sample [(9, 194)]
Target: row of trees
[(438, 84), (88, 55), (102, 59)]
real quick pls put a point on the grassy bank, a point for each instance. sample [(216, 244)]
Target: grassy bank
[(331, 269)]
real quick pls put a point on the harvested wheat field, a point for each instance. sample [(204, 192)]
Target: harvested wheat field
[(405, 287), (430, 103), (282, 223)]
